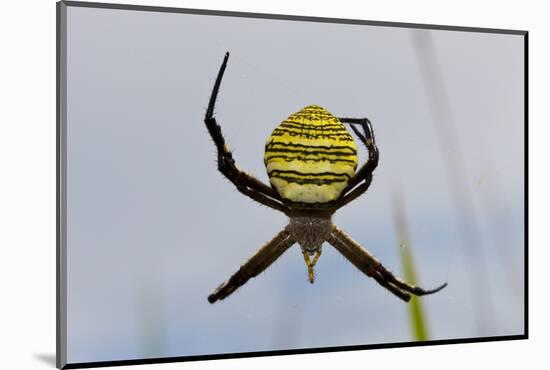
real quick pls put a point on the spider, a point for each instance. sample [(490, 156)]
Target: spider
[(311, 161)]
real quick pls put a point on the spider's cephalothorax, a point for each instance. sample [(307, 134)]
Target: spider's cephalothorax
[(311, 160), (310, 233)]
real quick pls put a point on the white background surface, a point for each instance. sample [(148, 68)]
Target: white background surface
[(27, 203)]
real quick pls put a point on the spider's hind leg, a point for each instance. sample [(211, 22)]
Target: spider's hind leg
[(245, 183), (363, 176)]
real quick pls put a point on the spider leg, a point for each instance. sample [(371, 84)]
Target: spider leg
[(369, 265), (365, 171), (261, 260), (366, 265), (245, 183), (261, 198), (355, 193)]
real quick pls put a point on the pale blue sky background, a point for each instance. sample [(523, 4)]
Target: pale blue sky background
[(153, 228)]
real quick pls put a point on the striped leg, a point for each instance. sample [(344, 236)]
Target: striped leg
[(369, 265), (355, 193), (254, 266), (366, 170), (245, 183)]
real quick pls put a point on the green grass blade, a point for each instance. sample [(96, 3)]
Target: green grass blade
[(417, 318), (416, 310)]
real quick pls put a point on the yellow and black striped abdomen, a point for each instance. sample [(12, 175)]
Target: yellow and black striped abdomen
[(310, 156)]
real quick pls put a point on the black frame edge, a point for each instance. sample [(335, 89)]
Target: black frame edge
[(225, 13), (61, 144), (290, 352), (526, 182)]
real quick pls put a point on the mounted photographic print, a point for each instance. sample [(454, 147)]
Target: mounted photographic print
[(237, 184)]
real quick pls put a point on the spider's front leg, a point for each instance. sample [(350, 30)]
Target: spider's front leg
[(363, 176), (371, 267), (245, 183), (260, 261)]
